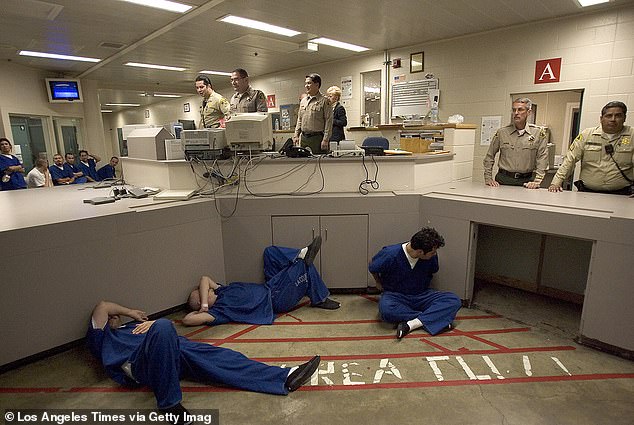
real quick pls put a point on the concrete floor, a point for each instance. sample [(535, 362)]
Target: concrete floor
[(490, 370)]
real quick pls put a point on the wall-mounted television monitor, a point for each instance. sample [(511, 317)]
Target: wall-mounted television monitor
[(63, 90)]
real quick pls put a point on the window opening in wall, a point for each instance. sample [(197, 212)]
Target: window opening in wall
[(29, 138), (371, 107)]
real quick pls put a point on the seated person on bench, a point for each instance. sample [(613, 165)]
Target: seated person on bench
[(290, 275)]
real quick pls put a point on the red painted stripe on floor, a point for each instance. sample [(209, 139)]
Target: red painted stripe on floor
[(351, 338), (483, 340), (459, 352), (372, 298), (299, 321), (196, 332), (364, 321), (392, 385), (231, 338), (433, 344), (29, 390)]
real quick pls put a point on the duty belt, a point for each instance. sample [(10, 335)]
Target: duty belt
[(515, 175), (308, 134)]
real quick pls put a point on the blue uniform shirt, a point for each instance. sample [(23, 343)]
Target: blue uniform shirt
[(16, 180), (244, 303), (57, 173), (396, 273), (113, 348), (89, 170), (106, 172)]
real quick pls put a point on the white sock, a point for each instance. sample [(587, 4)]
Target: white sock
[(414, 324), (291, 370), (302, 252)]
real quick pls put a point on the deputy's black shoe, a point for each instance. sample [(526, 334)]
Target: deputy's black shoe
[(313, 249), (327, 304), (179, 413), (402, 329), (302, 374)]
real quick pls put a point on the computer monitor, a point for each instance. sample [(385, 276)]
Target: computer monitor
[(249, 132), (188, 124)]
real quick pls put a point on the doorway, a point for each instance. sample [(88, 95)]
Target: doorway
[(68, 134), (29, 139)]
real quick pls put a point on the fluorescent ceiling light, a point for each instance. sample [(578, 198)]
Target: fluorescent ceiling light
[(122, 104), (339, 44), (56, 56), (263, 26), (165, 95), (149, 65), (226, 74), (586, 3), (106, 110), (172, 6)]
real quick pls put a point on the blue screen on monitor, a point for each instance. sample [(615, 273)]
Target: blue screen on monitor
[(64, 90)]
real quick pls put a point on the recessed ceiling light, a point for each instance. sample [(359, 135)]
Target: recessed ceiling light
[(56, 56), (122, 104), (586, 3), (226, 74), (149, 65), (339, 44), (263, 26), (106, 110), (165, 95), (172, 6)]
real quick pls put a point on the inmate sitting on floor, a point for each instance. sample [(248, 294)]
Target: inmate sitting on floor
[(150, 353), (290, 275), (404, 272)]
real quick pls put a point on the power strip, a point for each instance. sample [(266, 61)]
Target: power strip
[(347, 152)]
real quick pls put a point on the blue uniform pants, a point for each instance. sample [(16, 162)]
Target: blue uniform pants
[(435, 309), (289, 279), (163, 358)]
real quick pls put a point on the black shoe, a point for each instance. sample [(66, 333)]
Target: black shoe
[(327, 304), (302, 374), (313, 249), (402, 329), (179, 413)]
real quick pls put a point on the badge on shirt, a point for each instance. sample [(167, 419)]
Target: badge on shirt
[(625, 140)]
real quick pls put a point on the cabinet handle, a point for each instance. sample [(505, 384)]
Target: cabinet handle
[(325, 234), (313, 233)]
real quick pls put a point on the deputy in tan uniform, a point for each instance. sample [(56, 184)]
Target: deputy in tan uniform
[(214, 106), (606, 153), (523, 151), (314, 120), (246, 98)]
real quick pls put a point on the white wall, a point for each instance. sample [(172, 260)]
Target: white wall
[(23, 92)]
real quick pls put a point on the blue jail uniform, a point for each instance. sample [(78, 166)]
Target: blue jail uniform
[(57, 173), (76, 169), (106, 172), (406, 291), (16, 180), (288, 280), (89, 170), (160, 358)]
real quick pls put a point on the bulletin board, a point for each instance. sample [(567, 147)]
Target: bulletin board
[(412, 97)]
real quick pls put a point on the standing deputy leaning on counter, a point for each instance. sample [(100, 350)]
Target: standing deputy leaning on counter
[(606, 153), (314, 120), (214, 107), (523, 151)]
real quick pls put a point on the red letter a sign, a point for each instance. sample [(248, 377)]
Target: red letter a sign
[(547, 71)]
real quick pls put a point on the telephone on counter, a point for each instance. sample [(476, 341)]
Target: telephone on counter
[(292, 151)]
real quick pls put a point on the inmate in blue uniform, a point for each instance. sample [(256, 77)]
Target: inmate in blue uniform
[(288, 280), (66, 172), (160, 358), (106, 172), (76, 169), (16, 179), (89, 170), (406, 291)]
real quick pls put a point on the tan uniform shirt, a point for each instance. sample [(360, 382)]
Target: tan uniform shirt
[(250, 101), (518, 154), (215, 108), (598, 170), (315, 115)]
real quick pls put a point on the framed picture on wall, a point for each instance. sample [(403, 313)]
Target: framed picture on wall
[(416, 62)]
